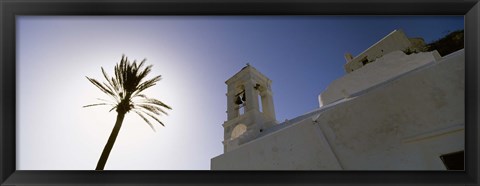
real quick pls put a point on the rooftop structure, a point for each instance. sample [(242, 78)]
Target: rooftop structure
[(396, 40)]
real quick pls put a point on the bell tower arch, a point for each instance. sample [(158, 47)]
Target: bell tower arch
[(250, 109)]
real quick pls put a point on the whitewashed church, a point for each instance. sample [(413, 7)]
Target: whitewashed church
[(390, 111)]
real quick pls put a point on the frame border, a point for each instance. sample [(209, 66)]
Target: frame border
[(10, 9)]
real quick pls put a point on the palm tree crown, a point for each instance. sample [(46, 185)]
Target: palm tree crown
[(125, 90)]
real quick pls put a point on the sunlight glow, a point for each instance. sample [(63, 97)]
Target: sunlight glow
[(194, 56)]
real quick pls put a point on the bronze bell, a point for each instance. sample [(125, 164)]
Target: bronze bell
[(238, 101)]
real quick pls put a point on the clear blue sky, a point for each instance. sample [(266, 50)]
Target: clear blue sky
[(194, 55)]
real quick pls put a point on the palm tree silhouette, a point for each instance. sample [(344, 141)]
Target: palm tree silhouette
[(125, 90)]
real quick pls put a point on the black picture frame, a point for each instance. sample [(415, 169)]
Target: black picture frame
[(10, 8)]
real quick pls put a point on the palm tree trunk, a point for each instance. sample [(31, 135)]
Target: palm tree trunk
[(111, 141)]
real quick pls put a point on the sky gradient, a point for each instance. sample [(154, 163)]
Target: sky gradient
[(194, 55)]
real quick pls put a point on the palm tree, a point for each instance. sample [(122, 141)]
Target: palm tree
[(125, 91)]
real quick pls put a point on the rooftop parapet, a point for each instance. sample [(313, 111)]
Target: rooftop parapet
[(396, 40)]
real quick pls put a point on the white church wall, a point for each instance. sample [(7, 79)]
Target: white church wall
[(403, 125), (432, 147), (300, 146), (406, 124), (372, 74)]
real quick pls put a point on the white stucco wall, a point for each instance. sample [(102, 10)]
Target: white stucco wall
[(300, 146), (405, 124), (383, 69)]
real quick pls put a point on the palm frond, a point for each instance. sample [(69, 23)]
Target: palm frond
[(119, 73), (146, 120), (108, 101), (116, 86), (105, 75), (113, 108), (141, 95), (115, 95), (151, 104), (145, 72), (101, 87), (156, 102), (96, 104), (153, 109), (111, 83), (147, 84), (155, 118), (141, 65)]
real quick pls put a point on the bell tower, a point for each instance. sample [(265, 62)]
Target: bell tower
[(250, 108)]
